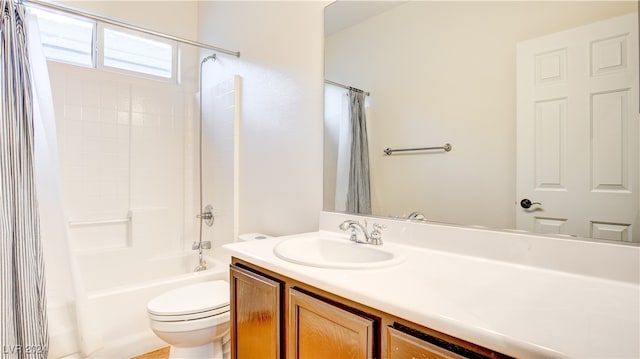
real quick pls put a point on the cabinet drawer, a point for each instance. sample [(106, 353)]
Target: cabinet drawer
[(402, 345)]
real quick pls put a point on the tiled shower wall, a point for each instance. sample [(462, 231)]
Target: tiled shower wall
[(122, 152), (219, 140)]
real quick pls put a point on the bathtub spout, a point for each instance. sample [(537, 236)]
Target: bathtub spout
[(202, 264)]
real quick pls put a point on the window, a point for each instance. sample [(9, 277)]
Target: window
[(71, 39), (65, 38), (126, 51)]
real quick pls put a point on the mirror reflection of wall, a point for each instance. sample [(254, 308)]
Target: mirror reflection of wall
[(444, 72)]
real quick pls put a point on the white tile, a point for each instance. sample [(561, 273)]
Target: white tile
[(108, 116), (91, 95), (90, 114)]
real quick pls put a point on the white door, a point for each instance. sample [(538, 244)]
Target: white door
[(578, 133)]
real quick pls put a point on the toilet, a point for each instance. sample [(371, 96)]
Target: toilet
[(193, 319)]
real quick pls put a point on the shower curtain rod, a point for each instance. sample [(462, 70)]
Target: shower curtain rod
[(110, 21), (345, 86)]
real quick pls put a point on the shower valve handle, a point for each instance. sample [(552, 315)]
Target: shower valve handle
[(207, 215)]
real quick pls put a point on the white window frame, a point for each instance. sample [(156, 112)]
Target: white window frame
[(94, 35), (97, 48), (99, 57)]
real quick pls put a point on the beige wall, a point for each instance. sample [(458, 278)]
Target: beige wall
[(172, 17), (446, 73), (280, 163)]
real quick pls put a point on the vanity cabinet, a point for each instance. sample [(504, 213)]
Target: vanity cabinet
[(318, 329), (256, 306), (267, 308)]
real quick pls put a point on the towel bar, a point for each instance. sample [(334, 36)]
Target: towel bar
[(389, 151)]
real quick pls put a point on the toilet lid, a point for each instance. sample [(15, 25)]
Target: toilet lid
[(193, 298)]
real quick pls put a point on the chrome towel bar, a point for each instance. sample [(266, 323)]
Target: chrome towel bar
[(389, 151)]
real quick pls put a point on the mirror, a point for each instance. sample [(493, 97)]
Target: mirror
[(443, 72)]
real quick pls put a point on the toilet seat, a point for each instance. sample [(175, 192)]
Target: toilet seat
[(215, 324), (191, 302), (191, 316)]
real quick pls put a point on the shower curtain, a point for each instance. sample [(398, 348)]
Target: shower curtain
[(23, 327), (346, 131), (64, 283), (358, 192)]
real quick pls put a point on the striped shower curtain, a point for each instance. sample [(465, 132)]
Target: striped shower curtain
[(23, 320), (358, 191)]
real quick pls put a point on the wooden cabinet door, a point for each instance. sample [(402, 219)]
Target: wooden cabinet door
[(255, 316), (401, 346), (321, 330)]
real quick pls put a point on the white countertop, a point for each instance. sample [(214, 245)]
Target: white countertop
[(518, 310)]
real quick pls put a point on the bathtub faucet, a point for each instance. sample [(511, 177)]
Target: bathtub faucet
[(202, 264), (199, 246)]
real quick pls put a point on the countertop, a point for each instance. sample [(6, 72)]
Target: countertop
[(518, 310)]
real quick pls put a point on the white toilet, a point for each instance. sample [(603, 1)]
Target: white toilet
[(193, 319)]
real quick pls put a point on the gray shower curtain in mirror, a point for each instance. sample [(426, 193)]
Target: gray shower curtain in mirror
[(358, 192), (23, 323)]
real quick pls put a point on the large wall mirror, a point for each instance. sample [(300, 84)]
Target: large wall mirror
[(538, 100)]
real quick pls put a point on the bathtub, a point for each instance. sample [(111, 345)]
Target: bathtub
[(117, 306)]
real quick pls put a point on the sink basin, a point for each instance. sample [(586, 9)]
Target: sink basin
[(333, 251)]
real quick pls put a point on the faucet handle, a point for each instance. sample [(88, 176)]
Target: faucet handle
[(376, 234), (379, 227)]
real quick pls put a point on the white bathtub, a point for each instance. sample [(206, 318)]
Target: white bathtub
[(119, 312)]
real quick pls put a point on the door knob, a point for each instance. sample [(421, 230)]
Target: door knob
[(525, 203)]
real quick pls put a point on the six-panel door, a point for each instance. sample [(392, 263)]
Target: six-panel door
[(577, 131)]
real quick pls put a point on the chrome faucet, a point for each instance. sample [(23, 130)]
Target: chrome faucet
[(417, 216), (199, 246), (202, 263), (354, 226), (374, 238)]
